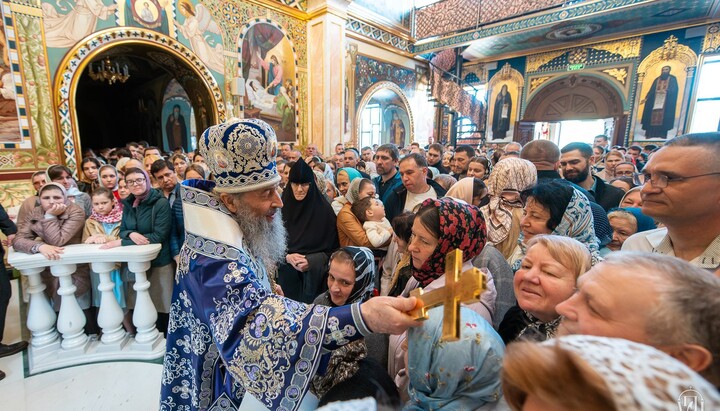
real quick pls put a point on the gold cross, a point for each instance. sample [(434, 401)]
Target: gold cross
[(458, 289)]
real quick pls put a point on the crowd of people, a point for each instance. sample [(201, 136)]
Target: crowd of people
[(601, 263)]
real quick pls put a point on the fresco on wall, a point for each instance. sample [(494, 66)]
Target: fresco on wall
[(67, 21), (268, 66), (149, 14), (9, 120), (176, 115), (197, 25), (396, 124)]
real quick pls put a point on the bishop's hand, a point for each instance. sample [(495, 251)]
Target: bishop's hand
[(388, 315)]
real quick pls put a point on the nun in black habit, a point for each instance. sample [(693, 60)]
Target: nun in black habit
[(312, 236)]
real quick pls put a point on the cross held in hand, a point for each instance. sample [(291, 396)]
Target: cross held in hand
[(459, 288)]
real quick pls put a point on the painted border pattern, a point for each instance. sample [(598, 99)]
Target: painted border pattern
[(15, 64), (571, 12), (77, 58), (295, 59), (377, 34)]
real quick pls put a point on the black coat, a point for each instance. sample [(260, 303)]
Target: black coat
[(395, 203), (606, 195)]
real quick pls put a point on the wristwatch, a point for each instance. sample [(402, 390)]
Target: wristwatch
[(36, 248)]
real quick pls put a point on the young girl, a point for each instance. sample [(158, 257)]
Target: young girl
[(102, 227), (109, 179), (123, 190), (55, 223)]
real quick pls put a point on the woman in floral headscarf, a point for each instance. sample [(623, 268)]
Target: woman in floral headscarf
[(440, 226), (351, 279), (508, 178)]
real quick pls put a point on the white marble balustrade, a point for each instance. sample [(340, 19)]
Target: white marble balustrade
[(59, 340)]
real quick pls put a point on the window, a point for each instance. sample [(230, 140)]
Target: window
[(370, 127), (706, 115)]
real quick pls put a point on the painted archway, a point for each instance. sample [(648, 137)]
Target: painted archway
[(76, 60), (388, 85)]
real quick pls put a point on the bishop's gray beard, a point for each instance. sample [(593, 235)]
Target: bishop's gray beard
[(265, 240)]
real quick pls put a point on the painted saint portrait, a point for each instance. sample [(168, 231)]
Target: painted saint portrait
[(661, 97), (268, 66), (149, 14), (502, 112)]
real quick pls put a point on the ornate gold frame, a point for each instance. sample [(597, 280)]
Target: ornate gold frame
[(80, 55)]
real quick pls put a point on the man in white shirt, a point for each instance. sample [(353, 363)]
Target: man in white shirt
[(415, 188), (682, 191)]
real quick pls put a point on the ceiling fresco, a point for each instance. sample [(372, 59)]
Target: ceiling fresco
[(582, 22)]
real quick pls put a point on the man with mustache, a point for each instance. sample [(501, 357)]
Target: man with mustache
[(233, 337), (575, 164)]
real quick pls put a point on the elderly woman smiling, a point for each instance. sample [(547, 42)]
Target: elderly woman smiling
[(546, 277)]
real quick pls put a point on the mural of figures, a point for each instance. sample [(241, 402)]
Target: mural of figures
[(72, 21), (150, 14), (501, 114), (202, 32), (658, 115), (176, 115), (397, 130), (9, 122), (268, 66)]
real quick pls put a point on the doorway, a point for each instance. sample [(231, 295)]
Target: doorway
[(575, 108), (95, 114)]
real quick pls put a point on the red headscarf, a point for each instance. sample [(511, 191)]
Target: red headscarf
[(462, 226)]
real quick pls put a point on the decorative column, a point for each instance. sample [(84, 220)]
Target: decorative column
[(145, 314), (326, 60), (71, 320), (110, 316), (41, 317)]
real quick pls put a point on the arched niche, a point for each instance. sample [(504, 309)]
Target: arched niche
[(191, 72), (395, 114), (574, 97)]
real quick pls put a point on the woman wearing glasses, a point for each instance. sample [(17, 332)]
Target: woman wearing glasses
[(146, 219)]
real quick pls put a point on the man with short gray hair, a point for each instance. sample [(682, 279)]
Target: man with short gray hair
[(656, 300)]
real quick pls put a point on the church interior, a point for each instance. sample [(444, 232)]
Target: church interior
[(91, 74)]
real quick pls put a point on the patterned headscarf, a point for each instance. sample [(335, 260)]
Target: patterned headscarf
[(461, 226), (509, 174), (364, 287), (457, 375), (577, 222)]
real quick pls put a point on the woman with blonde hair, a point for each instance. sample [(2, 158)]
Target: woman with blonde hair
[(547, 276)]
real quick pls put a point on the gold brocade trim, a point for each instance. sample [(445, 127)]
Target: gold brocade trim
[(670, 50)]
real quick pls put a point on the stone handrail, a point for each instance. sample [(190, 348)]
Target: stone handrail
[(71, 346)]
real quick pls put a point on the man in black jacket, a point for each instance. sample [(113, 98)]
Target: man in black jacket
[(415, 188), (575, 163)]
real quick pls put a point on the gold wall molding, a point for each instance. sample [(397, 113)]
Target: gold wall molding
[(366, 99), (670, 50), (25, 9), (535, 61), (619, 74), (712, 39), (627, 48), (537, 82)]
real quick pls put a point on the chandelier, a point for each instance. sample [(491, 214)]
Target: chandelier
[(107, 71)]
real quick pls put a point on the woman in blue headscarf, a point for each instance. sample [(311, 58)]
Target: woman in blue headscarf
[(457, 375), (343, 178), (626, 222)]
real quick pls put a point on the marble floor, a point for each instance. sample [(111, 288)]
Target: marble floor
[(105, 386)]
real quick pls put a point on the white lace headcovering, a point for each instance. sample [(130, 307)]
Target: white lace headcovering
[(640, 377)]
